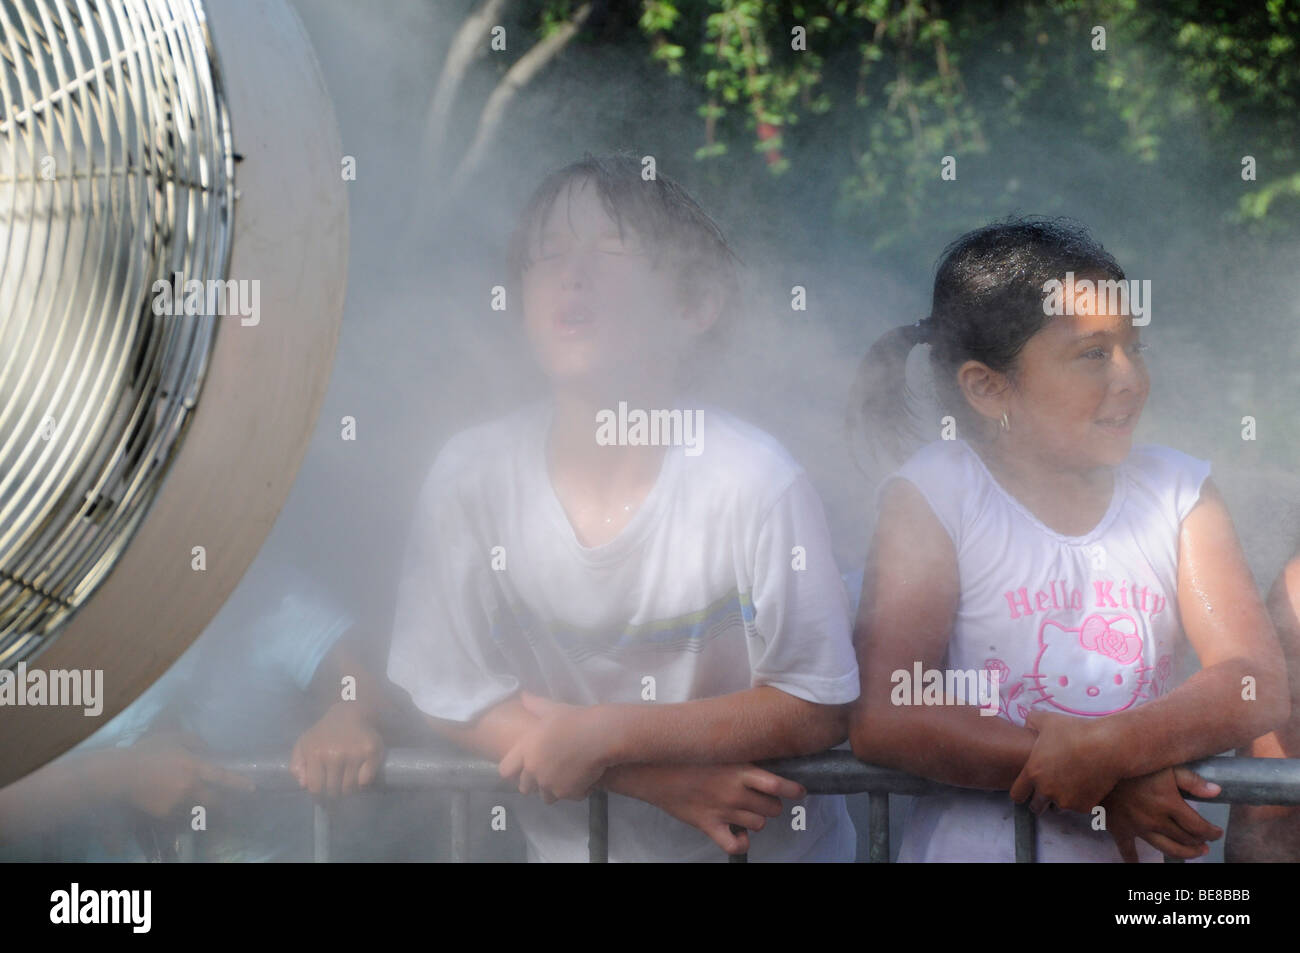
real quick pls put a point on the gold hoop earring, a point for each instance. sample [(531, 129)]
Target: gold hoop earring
[(1005, 423)]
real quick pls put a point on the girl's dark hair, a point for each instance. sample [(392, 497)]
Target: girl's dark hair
[(987, 303), (676, 230)]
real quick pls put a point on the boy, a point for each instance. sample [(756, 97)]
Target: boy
[(591, 607)]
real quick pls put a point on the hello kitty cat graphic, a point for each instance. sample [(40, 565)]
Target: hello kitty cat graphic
[(1095, 669)]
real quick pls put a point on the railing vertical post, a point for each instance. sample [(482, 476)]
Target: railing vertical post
[(185, 847), (320, 818), (1026, 835), (737, 858), (459, 827), (878, 843), (598, 827)]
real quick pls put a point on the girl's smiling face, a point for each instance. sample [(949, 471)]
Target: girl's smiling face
[(597, 311), (1079, 389)]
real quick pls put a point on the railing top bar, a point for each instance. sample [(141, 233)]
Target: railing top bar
[(839, 772), (1244, 780), (1252, 780), (403, 768)]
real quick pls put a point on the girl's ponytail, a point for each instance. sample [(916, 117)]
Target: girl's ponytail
[(880, 414)]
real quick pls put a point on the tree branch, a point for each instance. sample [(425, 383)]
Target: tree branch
[(518, 76), (467, 43)]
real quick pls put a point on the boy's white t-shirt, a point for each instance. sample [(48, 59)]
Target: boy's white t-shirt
[(1077, 625), (723, 580)]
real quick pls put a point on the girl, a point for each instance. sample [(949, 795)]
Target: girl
[(1046, 554)]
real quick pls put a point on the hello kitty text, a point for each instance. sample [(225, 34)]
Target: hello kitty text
[(1106, 595)]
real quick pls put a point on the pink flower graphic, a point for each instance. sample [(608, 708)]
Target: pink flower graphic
[(1164, 671), (1111, 637), (1002, 669)]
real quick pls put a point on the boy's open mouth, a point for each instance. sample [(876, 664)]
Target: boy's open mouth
[(574, 321)]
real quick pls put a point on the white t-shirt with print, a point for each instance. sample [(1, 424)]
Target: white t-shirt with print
[(723, 580), (1078, 625)]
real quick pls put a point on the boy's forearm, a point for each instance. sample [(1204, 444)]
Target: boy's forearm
[(494, 732), (633, 780), (751, 725)]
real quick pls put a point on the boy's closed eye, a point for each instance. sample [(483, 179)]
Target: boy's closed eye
[(555, 247)]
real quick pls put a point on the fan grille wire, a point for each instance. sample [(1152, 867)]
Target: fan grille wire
[(116, 171)]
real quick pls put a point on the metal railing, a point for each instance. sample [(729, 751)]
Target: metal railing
[(1243, 781)]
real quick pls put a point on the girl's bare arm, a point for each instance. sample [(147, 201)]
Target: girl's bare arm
[(1241, 691), (909, 599)]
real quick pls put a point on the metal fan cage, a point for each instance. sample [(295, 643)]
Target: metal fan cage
[(116, 171)]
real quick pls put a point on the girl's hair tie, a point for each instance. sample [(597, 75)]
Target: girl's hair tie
[(924, 330)]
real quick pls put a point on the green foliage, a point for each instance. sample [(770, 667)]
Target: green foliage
[(885, 79), (740, 53)]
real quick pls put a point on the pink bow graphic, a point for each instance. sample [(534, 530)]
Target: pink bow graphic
[(1115, 638)]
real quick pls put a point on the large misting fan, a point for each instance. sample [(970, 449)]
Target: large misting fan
[(163, 165)]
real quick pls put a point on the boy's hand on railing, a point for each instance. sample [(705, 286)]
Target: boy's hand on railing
[(563, 755), (1071, 766), (163, 776), (711, 797), (340, 753), (1152, 808)]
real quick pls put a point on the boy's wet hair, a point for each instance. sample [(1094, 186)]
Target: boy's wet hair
[(678, 233), (987, 304)]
